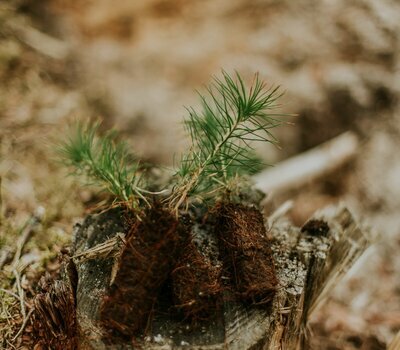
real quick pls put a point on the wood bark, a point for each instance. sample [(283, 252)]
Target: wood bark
[(307, 265)]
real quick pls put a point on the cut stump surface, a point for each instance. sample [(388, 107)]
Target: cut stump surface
[(307, 266)]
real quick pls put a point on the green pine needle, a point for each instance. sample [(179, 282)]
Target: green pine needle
[(104, 162), (222, 133)]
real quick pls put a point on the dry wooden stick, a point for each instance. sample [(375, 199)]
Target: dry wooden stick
[(319, 161), (20, 292), (32, 223), (41, 42), (102, 250), (16, 296), (5, 255), (280, 212), (26, 319)]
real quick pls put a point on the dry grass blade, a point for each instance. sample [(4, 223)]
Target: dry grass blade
[(26, 319), (303, 168), (102, 250), (29, 228), (21, 293)]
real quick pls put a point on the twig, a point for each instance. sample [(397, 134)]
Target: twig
[(32, 222), (21, 298), (297, 171), (20, 293), (5, 254), (26, 319), (102, 250), (11, 345), (16, 296), (24, 237), (280, 212), (41, 42)]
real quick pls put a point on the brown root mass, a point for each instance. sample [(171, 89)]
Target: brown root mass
[(196, 286), (145, 262), (246, 252), (54, 317)]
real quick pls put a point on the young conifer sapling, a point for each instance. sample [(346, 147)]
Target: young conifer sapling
[(231, 119), (223, 132), (153, 239), (104, 162)]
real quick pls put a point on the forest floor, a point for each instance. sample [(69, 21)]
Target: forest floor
[(137, 64)]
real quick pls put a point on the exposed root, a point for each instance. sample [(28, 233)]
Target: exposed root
[(196, 285), (152, 248), (246, 252)]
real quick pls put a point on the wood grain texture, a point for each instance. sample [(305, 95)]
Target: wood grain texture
[(307, 267)]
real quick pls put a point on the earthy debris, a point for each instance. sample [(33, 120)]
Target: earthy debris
[(196, 285), (152, 247), (246, 251)]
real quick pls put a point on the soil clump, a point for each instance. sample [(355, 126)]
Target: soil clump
[(196, 285), (246, 252), (152, 248)]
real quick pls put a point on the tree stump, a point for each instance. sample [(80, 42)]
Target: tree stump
[(309, 262)]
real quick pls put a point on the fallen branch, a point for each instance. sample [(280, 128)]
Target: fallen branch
[(41, 42), (303, 168), (30, 226), (16, 296), (26, 319), (5, 256), (280, 212), (102, 250), (21, 293)]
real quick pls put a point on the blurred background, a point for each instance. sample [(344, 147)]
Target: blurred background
[(136, 64)]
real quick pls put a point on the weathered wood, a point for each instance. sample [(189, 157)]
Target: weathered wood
[(294, 172), (94, 274), (307, 266)]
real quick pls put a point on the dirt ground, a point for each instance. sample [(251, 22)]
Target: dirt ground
[(135, 64)]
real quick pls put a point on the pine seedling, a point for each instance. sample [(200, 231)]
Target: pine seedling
[(223, 132), (105, 162)]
